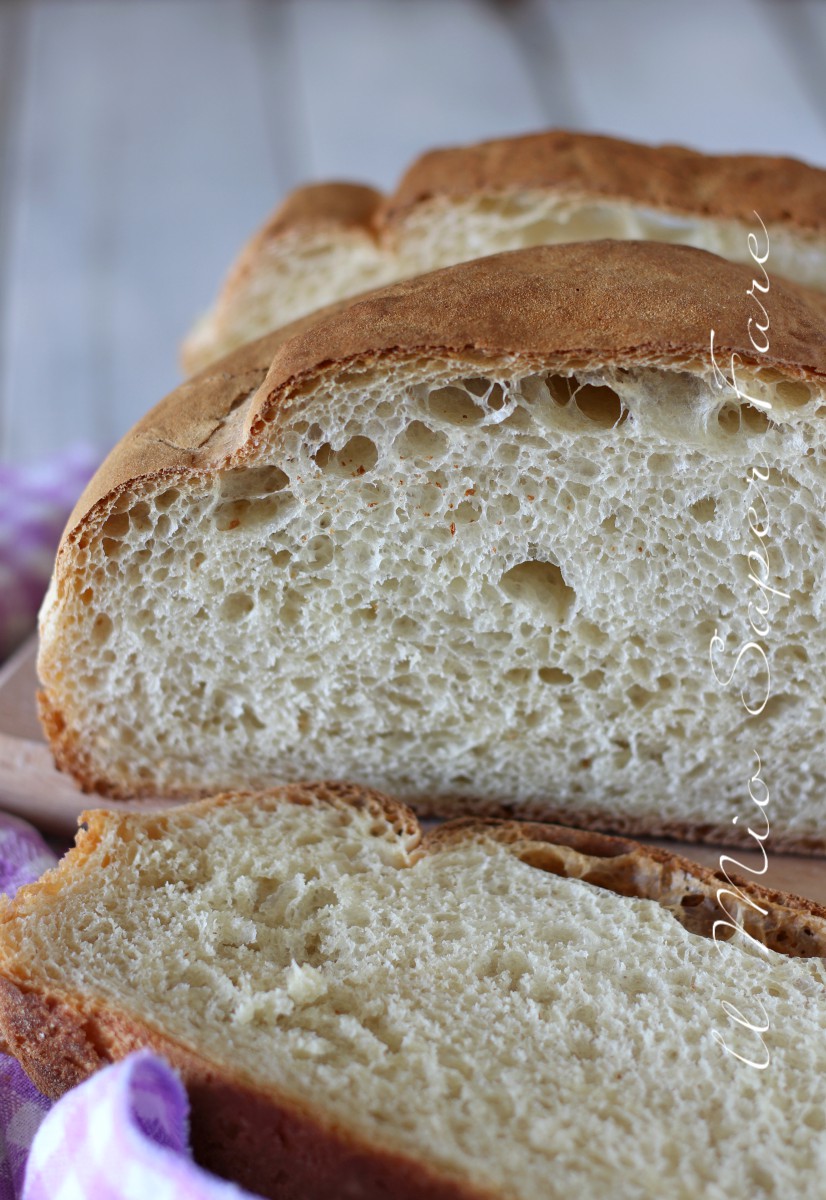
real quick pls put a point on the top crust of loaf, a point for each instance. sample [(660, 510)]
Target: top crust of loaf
[(337, 208), (563, 306), (349, 205), (724, 186), (731, 186)]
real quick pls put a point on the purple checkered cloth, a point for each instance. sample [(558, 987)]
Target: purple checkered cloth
[(34, 504), (121, 1135)]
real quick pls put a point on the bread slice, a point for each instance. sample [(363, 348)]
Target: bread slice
[(469, 540), (328, 241), (495, 1009)]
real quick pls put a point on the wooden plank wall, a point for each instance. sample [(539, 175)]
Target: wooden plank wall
[(142, 140)]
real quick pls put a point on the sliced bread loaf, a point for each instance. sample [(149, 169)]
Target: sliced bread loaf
[(495, 1010), (470, 539), (328, 241)]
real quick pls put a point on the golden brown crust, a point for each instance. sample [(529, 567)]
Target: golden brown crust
[(559, 170), (324, 205), (724, 186), (582, 303), (48, 1038), (614, 823), (196, 426)]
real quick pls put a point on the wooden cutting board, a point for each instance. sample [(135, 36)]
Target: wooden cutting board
[(31, 787)]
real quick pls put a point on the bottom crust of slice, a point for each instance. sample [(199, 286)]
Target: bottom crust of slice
[(272, 1149)]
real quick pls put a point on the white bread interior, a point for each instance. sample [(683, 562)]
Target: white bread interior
[(473, 590), (524, 1033)]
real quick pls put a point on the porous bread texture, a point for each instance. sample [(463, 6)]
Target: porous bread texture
[(332, 241), (450, 1002), (480, 592)]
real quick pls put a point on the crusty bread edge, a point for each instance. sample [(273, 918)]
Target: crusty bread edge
[(791, 925), (588, 166)]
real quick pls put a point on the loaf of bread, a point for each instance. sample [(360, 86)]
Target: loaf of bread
[(328, 241), (470, 540), (497, 1009)]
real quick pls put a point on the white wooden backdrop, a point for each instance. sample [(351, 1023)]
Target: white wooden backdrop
[(142, 140)]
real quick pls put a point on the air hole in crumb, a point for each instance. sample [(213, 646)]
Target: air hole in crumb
[(559, 389), (253, 514), (776, 706), (477, 385), (236, 606), (728, 418), (465, 513), (495, 398), (454, 406), (601, 405), (356, 457), (703, 510), (116, 526), (250, 720), (101, 629), (420, 441), (320, 551), (590, 634), (139, 517), (541, 586), (251, 482), (519, 420), (166, 499), (754, 418), (793, 395), (639, 696), (554, 675)]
